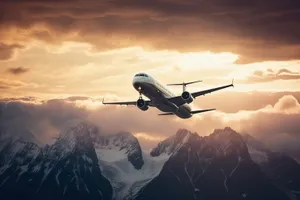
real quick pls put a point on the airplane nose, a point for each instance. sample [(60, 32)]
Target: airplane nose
[(136, 82)]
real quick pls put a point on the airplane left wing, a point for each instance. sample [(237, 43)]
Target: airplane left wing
[(179, 101), (128, 103)]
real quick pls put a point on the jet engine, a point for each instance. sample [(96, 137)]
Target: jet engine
[(187, 97), (141, 104)]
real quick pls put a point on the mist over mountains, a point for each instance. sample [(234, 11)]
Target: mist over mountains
[(85, 163), (276, 124), (83, 160)]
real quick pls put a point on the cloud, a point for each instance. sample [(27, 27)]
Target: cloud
[(233, 102), (288, 103), (18, 70), (269, 75), (20, 99), (77, 98), (277, 124), (256, 30), (10, 84), (7, 51), (274, 124), (45, 120)]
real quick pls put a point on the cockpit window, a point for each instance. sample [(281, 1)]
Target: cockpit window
[(141, 74)]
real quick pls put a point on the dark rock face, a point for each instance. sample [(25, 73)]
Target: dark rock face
[(214, 167), (281, 169), (66, 170), (285, 171)]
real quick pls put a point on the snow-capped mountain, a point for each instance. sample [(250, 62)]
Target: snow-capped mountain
[(68, 169), (172, 144), (125, 165), (114, 147), (84, 163), (213, 167)]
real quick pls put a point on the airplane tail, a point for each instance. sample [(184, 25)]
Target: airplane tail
[(192, 112), (184, 84)]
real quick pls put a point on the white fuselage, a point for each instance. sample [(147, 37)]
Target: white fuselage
[(159, 94)]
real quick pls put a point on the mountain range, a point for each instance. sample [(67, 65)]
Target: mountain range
[(85, 163)]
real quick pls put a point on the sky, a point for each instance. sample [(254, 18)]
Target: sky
[(58, 59)]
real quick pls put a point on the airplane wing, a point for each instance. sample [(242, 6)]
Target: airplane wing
[(128, 103), (179, 101)]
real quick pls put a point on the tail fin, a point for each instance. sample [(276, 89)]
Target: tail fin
[(201, 111)]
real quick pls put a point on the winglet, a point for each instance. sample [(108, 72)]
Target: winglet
[(103, 100), (232, 82)]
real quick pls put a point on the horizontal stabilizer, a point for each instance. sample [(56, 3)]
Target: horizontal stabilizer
[(192, 112), (166, 114), (184, 84), (201, 111)]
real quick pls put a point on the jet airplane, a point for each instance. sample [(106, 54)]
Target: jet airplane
[(163, 99)]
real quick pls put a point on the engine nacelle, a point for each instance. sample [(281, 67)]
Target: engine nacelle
[(187, 97), (141, 104)]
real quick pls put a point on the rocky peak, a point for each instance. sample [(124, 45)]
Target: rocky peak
[(211, 167), (75, 138), (228, 141), (173, 143), (227, 132)]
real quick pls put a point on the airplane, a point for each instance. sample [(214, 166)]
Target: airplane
[(163, 99)]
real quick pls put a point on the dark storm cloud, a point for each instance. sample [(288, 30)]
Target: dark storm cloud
[(267, 76), (18, 70), (44, 120), (256, 30)]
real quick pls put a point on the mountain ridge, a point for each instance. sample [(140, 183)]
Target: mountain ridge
[(85, 163)]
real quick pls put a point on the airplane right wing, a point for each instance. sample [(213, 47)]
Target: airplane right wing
[(204, 92), (128, 103)]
